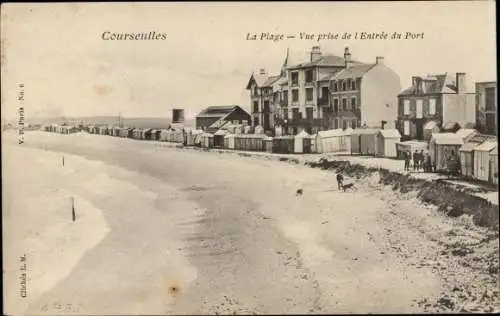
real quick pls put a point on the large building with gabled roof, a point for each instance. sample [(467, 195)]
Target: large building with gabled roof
[(318, 94), (214, 117), (446, 99)]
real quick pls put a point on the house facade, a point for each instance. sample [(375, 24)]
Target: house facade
[(364, 95), (444, 99), (486, 107), (323, 93), (214, 117)]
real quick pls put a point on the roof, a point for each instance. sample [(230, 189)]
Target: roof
[(302, 134), (486, 146), (365, 131), (430, 125), (447, 139), (465, 132), (217, 111), (468, 147), (270, 80), (450, 125), (440, 83), (328, 60), (355, 71), (480, 138), (331, 133), (221, 132), (390, 133), (494, 151)]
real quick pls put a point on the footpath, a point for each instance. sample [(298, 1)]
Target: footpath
[(385, 165)]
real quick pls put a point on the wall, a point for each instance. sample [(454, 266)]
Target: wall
[(490, 126), (459, 108), (412, 116), (379, 86)]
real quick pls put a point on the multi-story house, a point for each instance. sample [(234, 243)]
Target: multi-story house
[(486, 107), (325, 92), (443, 99), (364, 95)]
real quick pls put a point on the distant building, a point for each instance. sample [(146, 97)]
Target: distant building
[(214, 117), (444, 99), (486, 107), (323, 93)]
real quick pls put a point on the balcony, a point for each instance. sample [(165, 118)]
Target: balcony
[(304, 122)]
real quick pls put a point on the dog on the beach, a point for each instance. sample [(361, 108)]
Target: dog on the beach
[(347, 186), (299, 192)]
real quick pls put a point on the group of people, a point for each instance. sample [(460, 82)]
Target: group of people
[(421, 161)]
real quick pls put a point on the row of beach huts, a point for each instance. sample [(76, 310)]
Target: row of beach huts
[(477, 153)]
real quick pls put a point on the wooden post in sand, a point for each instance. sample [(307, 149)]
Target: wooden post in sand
[(73, 208)]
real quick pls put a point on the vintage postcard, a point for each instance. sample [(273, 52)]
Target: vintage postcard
[(249, 158)]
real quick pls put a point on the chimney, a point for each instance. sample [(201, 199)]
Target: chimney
[(262, 71), (460, 82), (379, 60), (315, 53), (347, 57)]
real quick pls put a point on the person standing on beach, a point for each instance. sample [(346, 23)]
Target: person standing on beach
[(415, 160), (407, 156)]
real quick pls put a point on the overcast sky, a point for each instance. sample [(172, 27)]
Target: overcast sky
[(57, 52)]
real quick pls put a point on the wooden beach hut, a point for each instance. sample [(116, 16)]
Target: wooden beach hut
[(442, 147), (219, 138), (386, 142), (302, 143), (333, 141), (482, 160), (494, 166), (283, 144)]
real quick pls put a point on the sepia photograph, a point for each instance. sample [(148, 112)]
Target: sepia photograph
[(237, 158)]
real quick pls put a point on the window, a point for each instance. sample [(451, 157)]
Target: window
[(285, 96), (309, 76), (255, 106), (344, 124), (295, 114), (295, 95), (344, 104), (353, 123), (266, 106), (309, 113), (419, 109), (432, 106), (353, 102), (255, 90), (407, 127), (406, 110), (489, 99), (295, 78), (255, 121), (324, 92), (344, 86), (285, 114), (334, 86), (353, 84), (336, 105), (309, 94)]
